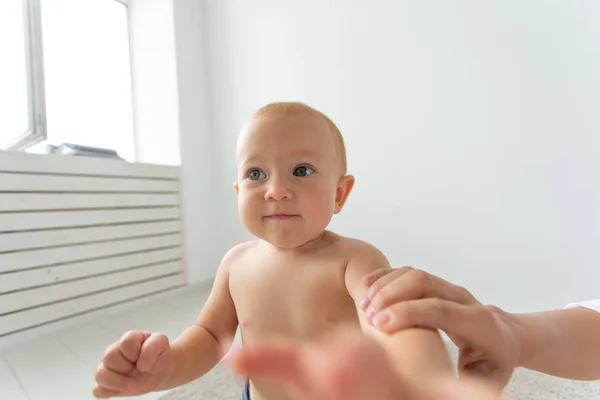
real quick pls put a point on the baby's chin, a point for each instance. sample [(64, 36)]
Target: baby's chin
[(284, 243), (290, 241)]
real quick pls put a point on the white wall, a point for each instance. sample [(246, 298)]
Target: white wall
[(200, 170), (172, 117), (472, 128)]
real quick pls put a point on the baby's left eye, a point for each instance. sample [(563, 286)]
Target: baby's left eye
[(303, 171)]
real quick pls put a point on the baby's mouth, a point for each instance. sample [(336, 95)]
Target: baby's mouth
[(280, 216)]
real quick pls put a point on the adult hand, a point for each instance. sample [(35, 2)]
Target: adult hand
[(408, 297), (345, 366)]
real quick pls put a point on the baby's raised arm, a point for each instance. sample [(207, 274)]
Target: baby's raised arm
[(419, 354)]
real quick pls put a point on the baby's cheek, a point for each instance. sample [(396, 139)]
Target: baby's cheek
[(248, 210), (324, 207)]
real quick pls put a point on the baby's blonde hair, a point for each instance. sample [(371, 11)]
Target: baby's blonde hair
[(296, 107)]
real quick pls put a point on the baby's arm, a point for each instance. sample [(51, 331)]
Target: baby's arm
[(418, 353), (200, 347)]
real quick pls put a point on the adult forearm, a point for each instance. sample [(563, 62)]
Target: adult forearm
[(563, 343)]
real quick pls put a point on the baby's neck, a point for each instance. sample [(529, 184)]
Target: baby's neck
[(323, 239)]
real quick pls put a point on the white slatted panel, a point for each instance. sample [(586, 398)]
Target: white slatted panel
[(28, 259), (50, 164), (49, 294), (78, 234), (10, 182), (20, 280), (15, 221), (57, 237), (40, 315), (61, 201)]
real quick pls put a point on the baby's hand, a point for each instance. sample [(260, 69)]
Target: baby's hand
[(137, 363)]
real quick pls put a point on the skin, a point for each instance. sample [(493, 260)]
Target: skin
[(295, 282), (492, 342), (346, 366)]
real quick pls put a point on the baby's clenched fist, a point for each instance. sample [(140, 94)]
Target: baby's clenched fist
[(137, 363)]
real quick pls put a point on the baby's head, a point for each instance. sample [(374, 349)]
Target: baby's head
[(291, 163)]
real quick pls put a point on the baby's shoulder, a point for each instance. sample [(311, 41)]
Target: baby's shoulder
[(238, 252), (356, 248), (361, 258), (362, 255)]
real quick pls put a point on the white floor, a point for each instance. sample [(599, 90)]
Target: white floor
[(60, 364)]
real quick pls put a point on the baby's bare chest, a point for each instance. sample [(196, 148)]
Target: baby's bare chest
[(297, 298)]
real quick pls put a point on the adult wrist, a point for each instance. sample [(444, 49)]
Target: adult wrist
[(534, 335)]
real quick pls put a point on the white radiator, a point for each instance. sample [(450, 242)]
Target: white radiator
[(78, 234)]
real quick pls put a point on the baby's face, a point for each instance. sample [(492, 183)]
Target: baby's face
[(288, 178)]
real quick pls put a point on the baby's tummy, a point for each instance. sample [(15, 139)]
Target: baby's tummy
[(292, 333), (292, 323), (295, 328), (269, 390), (300, 324)]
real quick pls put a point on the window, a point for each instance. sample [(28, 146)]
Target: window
[(84, 79), (22, 121)]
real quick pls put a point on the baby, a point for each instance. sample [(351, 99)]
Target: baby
[(297, 280)]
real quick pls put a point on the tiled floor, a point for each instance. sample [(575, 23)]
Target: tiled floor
[(61, 365)]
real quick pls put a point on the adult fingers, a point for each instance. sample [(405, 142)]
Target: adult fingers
[(284, 362), (453, 318), (485, 349), (349, 368), (279, 361), (378, 274), (414, 284), (380, 279)]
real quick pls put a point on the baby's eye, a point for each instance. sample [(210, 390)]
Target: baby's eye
[(303, 171), (256, 174)]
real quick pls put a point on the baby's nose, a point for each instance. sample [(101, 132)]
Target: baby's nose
[(278, 191)]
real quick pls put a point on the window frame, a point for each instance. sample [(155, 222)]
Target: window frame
[(34, 62)]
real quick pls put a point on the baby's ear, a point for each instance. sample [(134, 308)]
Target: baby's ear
[(236, 187), (342, 192)]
